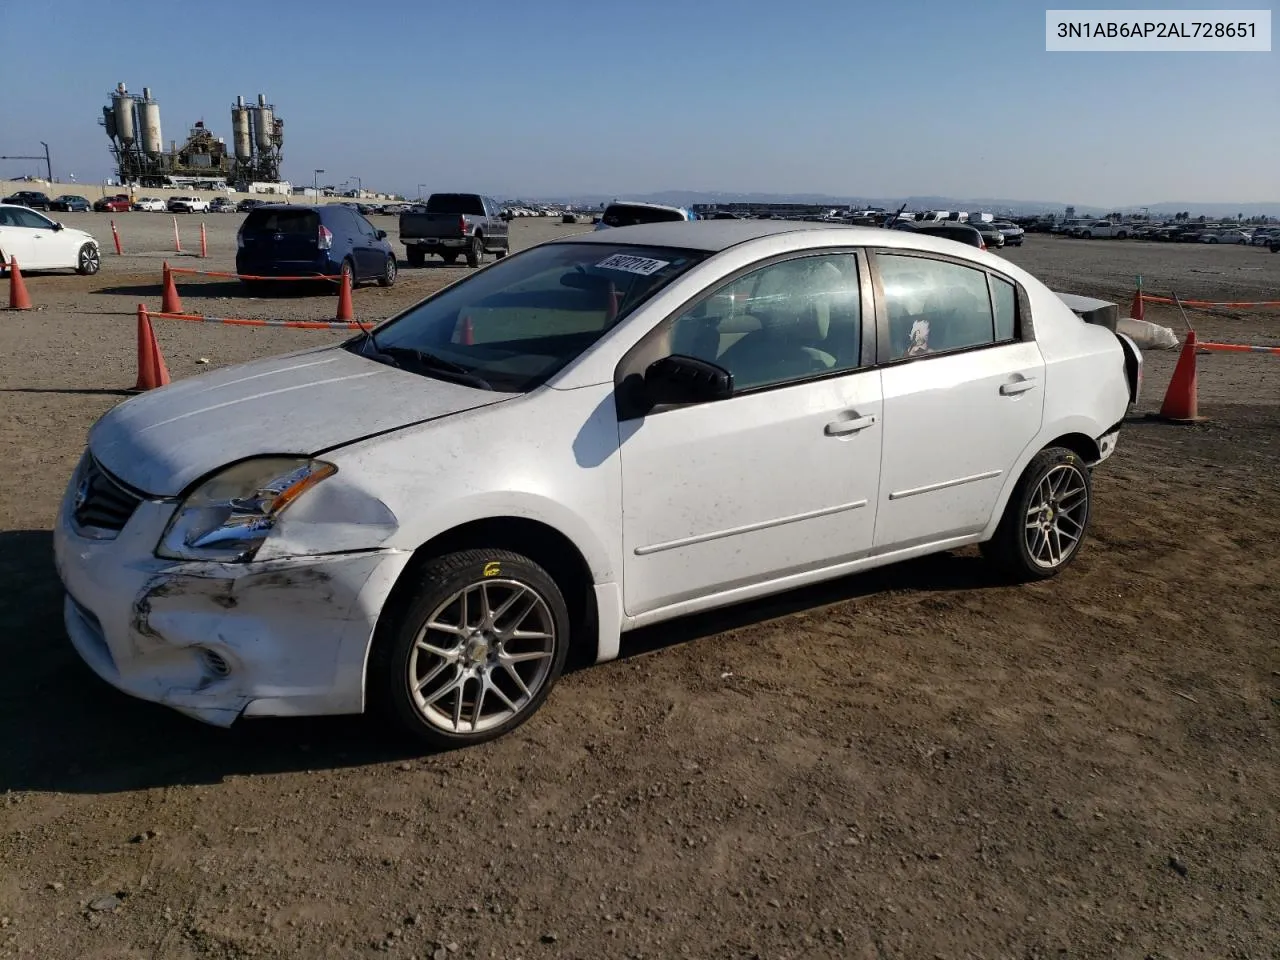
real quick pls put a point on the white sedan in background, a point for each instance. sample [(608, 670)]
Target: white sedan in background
[(150, 205), (39, 243), (1227, 236), (595, 434)]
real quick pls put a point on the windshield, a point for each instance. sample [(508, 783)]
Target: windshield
[(628, 215), (459, 203), (288, 221), (513, 325)]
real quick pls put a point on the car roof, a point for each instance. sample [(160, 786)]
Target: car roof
[(713, 236)]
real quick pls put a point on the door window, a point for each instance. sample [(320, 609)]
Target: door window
[(788, 321), (26, 218), (934, 306)]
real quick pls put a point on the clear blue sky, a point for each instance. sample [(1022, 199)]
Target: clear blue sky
[(542, 97)]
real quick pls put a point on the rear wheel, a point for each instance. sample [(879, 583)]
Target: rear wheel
[(388, 277), (450, 257), (475, 250), (349, 272), (417, 256), (1045, 520), (475, 650), (88, 261)]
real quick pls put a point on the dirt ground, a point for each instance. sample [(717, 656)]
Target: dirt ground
[(916, 763)]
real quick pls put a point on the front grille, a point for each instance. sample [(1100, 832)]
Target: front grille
[(103, 502)]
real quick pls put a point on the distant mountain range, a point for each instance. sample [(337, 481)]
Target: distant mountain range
[(685, 198)]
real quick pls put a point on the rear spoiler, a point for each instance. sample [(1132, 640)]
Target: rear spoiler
[(1093, 310)]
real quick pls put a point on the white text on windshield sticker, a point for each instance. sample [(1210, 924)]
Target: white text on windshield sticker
[(628, 264)]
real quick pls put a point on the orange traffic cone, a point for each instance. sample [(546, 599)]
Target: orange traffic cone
[(1180, 400), (468, 331), (170, 302), (1136, 311), (152, 371), (19, 299), (345, 310)]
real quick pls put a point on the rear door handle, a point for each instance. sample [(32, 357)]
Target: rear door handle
[(1016, 387), (838, 428)]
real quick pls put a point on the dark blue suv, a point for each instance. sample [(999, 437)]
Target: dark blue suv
[(288, 240)]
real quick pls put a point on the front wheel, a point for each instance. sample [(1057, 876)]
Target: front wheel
[(475, 650), (1045, 520), (388, 278), (88, 260)]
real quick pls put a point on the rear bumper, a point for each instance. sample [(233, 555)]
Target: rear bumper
[(255, 267), (437, 243)]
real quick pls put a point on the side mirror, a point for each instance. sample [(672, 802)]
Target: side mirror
[(382, 234), (681, 379), (57, 225)]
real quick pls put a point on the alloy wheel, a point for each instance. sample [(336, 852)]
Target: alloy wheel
[(482, 656), (1056, 516)]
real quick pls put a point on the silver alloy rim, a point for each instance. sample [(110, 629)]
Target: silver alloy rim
[(89, 260), (482, 656), (1056, 517), (391, 268)]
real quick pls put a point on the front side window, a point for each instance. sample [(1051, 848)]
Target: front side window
[(934, 306), (787, 321), (29, 219), (513, 325)]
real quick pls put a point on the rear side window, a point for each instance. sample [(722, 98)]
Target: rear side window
[(461, 203), (628, 215), (1005, 300), (934, 306), (296, 222)]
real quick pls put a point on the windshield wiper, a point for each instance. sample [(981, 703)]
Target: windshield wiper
[(438, 365)]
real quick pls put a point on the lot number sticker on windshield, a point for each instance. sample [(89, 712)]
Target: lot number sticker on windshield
[(628, 264)]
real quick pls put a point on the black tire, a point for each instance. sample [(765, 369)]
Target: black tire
[(450, 257), (1009, 549), (416, 256), (348, 268), (1087, 235), (388, 278), (395, 674), (475, 250), (88, 260)]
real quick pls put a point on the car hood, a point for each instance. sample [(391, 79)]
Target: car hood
[(81, 235), (302, 403)]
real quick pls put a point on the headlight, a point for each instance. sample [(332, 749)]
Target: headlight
[(227, 517)]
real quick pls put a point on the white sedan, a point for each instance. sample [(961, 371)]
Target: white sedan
[(150, 205), (38, 243), (598, 433)]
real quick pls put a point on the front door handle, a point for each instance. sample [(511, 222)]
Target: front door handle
[(838, 428), (1016, 387)]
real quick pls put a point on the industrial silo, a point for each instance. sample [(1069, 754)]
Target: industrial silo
[(263, 123), (241, 133), (122, 107), (109, 122), (149, 124)]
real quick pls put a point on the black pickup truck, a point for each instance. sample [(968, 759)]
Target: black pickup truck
[(454, 223)]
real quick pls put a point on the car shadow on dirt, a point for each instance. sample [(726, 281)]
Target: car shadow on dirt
[(234, 289), (938, 572), (70, 732)]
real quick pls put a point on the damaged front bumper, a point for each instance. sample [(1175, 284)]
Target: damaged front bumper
[(215, 641)]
